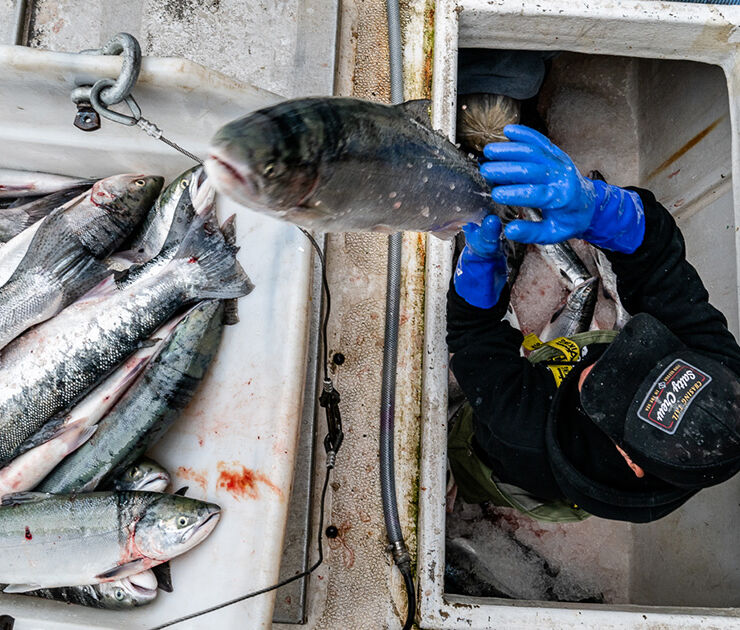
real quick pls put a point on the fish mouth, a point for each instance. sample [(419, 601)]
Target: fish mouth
[(144, 584), (156, 481), (223, 171)]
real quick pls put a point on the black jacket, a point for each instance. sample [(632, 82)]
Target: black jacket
[(512, 398)]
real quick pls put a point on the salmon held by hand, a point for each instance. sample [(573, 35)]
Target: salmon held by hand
[(348, 165)]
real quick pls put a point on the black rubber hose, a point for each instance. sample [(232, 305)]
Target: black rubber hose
[(390, 353)]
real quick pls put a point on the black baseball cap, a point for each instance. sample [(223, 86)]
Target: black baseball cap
[(675, 411)]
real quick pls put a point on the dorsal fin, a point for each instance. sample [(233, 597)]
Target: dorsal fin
[(419, 109)]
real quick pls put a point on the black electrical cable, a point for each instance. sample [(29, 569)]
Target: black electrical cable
[(329, 467), (269, 588)]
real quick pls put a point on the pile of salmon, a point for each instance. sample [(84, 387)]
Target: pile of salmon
[(113, 298)]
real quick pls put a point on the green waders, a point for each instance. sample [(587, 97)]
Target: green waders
[(475, 480)]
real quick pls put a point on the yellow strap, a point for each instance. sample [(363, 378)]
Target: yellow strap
[(569, 351)]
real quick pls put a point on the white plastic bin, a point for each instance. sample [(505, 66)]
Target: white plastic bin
[(682, 571), (235, 443)]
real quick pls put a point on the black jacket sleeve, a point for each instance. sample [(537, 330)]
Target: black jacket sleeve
[(509, 395), (657, 279)]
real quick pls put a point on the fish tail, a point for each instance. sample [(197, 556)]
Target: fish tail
[(221, 276)]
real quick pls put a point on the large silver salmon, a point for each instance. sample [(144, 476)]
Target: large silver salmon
[(52, 366), (148, 408), (68, 540), (63, 260), (343, 164), (33, 460)]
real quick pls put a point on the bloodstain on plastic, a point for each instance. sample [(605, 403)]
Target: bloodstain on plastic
[(242, 482), (28, 534), (197, 476)]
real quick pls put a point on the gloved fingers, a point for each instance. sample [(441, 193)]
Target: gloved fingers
[(490, 229), (525, 231), (529, 195), (523, 134), (527, 135), (513, 152), (515, 172), (541, 232)]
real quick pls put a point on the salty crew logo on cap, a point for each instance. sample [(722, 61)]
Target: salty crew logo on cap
[(671, 395)]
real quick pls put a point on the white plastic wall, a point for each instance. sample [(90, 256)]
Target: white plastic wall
[(235, 443), (683, 571)]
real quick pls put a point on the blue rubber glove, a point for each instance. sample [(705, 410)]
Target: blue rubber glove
[(531, 171), (480, 275)]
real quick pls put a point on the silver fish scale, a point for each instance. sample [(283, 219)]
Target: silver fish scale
[(30, 299), (94, 528), (146, 410), (52, 366)]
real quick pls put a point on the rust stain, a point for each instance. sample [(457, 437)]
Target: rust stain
[(242, 482), (686, 148), (427, 71), (340, 544), (199, 477)]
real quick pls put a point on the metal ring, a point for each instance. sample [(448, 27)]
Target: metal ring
[(118, 90), (96, 102)]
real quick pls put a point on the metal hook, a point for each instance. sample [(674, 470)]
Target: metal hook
[(118, 90), (96, 98)]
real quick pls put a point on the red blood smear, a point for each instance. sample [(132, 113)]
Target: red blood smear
[(243, 483), (28, 534)]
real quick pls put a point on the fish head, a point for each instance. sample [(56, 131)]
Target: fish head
[(117, 205), (133, 189), (266, 161), (179, 189), (145, 475), (171, 525), (134, 590)]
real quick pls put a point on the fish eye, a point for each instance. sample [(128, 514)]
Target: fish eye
[(140, 183), (182, 521), (184, 183), (119, 594)]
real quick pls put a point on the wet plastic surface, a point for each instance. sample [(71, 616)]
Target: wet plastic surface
[(235, 443)]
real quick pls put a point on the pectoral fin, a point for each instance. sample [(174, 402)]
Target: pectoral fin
[(122, 570), (21, 588)]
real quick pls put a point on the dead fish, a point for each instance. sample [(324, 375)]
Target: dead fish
[(146, 474), (17, 183), (575, 314), (148, 408), (15, 219), (168, 221), (69, 540), (344, 165), (481, 119), (63, 260), (48, 369), (33, 460), (130, 592)]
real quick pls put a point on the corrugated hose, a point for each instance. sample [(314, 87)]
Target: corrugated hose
[(397, 545)]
